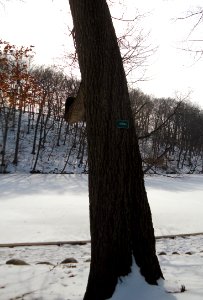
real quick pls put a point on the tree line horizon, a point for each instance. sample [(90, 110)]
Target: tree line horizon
[(169, 130)]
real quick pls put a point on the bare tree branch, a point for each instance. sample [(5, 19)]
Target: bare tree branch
[(162, 124), (197, 18)]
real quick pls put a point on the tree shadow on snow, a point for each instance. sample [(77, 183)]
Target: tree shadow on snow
[(183, 183), (41, 184)]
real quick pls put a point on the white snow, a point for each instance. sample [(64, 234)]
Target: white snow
[(129, 288), (176, 203), (36, 208), (43, 208)]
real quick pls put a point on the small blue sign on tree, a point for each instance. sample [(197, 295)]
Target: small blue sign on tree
[(122, 124)]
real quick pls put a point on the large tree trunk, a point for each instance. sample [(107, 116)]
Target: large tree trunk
[(120, 217)]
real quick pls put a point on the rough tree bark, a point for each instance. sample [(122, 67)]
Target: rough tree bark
[(120, 218)]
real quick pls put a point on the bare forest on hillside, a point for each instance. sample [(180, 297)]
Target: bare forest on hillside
[(34, 136)]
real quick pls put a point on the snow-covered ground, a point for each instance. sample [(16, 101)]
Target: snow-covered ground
[(36, 208)]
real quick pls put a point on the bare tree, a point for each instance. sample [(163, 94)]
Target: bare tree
[(120, 218), (194, 40), (133, 42)]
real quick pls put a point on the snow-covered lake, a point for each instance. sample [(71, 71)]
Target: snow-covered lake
[(36, 208)]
